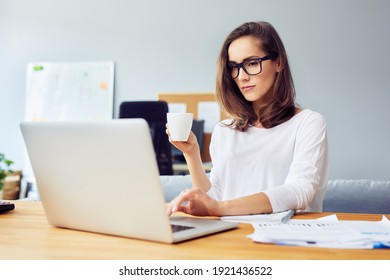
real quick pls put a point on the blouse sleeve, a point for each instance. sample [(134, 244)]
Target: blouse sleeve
[(308, 171)]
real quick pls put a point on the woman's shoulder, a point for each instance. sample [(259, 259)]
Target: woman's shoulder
[(308, 120), (224, 126), (308, 115), (224, 123), (303, 117)]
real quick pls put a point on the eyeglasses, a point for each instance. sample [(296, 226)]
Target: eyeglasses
[(251, 66)]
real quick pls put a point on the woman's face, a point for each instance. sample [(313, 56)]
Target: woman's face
[(256, 88)]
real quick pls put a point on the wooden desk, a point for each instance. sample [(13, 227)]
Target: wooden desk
[(25, 234)]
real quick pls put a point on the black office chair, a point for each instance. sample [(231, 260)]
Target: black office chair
[(155, 113)]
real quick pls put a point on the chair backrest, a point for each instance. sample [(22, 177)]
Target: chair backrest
[(155, 113), (357, 196)]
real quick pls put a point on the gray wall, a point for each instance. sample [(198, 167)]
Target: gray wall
[(338, 50)]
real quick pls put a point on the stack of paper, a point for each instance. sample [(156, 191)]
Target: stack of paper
[(326, 232), (280, 217), (377, 232)]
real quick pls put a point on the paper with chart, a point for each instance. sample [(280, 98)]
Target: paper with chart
[(327, 232), (377, 232), (209, 112)]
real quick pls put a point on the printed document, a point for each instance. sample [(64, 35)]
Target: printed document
[(327, 232), (279, 217)]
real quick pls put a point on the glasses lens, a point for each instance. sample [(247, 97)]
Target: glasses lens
[(252, 67), (234, 71)]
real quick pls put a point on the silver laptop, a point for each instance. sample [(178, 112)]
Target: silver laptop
[(103, 177)]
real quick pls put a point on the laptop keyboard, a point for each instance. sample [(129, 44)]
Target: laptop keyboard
[(176, 228)]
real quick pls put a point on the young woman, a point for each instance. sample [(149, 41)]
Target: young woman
[(271, 155)]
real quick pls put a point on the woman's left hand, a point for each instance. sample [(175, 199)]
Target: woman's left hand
[(198, 203)]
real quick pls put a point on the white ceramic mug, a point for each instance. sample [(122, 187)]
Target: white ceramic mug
[(179, 125)]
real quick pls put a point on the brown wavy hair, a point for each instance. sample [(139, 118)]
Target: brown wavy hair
[(282, 107)]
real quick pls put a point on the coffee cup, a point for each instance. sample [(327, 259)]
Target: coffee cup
[(179, 125)]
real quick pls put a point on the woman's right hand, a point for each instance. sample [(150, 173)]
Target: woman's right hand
[(197, 203)]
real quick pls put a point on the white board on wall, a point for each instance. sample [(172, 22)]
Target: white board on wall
[(69, 91), (59, 91)]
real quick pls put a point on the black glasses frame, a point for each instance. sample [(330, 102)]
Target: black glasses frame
[(259, 59)]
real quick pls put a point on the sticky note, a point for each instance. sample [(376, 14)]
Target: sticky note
[(103, 85)]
